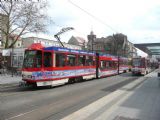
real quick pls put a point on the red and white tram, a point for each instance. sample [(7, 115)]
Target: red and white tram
[(123, 65), (107, 65), (52, 66), (141, 65)]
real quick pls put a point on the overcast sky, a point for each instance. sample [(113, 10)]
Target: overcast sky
[(138, 19)]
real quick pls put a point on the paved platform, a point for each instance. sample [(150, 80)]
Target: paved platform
[(139, 100)]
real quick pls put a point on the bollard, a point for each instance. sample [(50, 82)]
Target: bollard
[(158, 74), (159, 79)]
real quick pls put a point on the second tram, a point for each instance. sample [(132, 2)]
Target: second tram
[(141, 65)]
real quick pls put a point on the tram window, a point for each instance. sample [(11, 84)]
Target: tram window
[(29, 58), (103, 65), (112, 64), (60, 59), (94, 60), (115, 64), (89, 60), (107, 64), (71, 60), (125, 62), (47, 59), (120, 62), (38, 59), (81, 60), (143, 62), (148, 64)]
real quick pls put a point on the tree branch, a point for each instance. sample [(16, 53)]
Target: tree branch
[(14, 30), (3, 7), (18, 36), (25, 17), (3, 31)]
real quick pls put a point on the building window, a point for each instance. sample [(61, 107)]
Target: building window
[(14, 61)]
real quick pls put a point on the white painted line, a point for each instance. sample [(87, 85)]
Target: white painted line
[(93, 107), (20, 114), (106, 114)]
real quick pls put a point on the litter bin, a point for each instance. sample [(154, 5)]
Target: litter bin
[(159, 79), (158, 74)]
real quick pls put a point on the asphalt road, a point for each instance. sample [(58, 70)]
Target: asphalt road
[(55, 103)]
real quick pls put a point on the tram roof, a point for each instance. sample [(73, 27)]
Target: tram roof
[(60, 49), (104, 54), (39, 46)]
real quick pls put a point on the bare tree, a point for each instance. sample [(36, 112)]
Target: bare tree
[(119, 43), (22, 17)]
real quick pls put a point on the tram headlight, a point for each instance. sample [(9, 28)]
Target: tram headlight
[(26, 76), (29, 76)]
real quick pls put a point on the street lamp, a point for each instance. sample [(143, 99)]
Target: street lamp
[(63, 30), (116, 51)]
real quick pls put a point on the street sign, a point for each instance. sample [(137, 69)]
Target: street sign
[(6, 52)]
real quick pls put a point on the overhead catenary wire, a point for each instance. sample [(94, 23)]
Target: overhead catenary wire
[(75, 30), (94, 17)]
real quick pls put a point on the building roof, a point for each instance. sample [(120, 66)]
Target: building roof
[(150, 48), (38, 38), (50, 42), (80, 40)]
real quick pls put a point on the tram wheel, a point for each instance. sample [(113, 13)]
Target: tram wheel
[(78, 79), (71, 80)]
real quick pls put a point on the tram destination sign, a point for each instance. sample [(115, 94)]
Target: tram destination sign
[(68, 50)]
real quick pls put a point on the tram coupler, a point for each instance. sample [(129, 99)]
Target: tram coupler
[(23, 84)]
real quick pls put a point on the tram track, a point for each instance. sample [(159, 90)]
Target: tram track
[(15, 89), (108, 90), (8, 86), (66, 98)]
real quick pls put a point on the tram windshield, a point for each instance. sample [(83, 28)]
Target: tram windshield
[(136, 62), (32, 59)]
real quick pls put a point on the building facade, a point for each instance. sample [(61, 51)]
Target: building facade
[(26, 42), (18, 53), (3, 27), (117, 44), (14, 56)]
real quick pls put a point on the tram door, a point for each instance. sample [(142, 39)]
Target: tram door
[(47, 59)]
